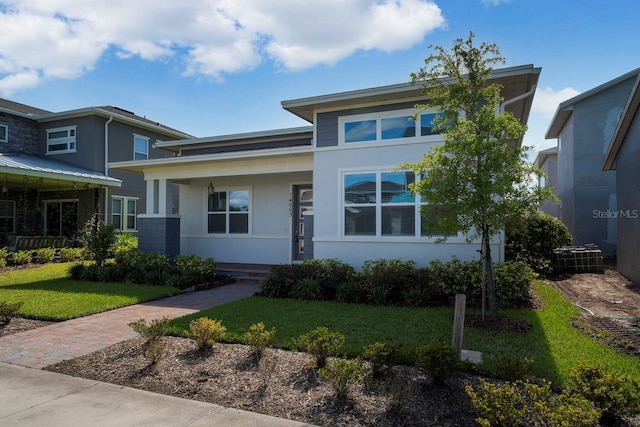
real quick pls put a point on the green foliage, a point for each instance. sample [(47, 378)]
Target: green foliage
[(513, 283), (143, 268), (614, 394), (523, 403), (206, 332), (380, 355), (511, 368), (193, 270), (308, 289), (343, 373), (276, 285), (152, 331), (8, 311), (438, 360), (351, 292), (126, 242), (258, 338), (4, 252), (383, 280), (533, 238), (44, 255), (321, 343), (71, 254), (99, 240), (21, 257)]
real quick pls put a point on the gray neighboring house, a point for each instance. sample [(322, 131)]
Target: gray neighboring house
[(547, 160), (583, 127), (623, 157), (54, 171)]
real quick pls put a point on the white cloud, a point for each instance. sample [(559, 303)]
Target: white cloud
[(546, 100), (494, 2), (65, 38)]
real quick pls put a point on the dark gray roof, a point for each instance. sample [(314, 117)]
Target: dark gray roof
[(21, 108), (131, 115)]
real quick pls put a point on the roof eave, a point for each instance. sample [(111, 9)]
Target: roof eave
[(628, 114)]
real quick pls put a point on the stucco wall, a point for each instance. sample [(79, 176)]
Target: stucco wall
[(628, 211), (565, 175)]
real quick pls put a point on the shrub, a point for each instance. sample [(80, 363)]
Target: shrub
[(3, 257), (153, 333), (258, 337), (126, 242), (380, 355), (307, 289), (342, 374), (513, 283), (22, 257), (613, 393), (206, 332), (524, 403), (511, 368), (351, 292), (384, 280), (8, 311), (193, 270), (44, 255), (533, 239), (76, 271), (321, 343), (277, 285), (99, 240), (71, 254), (143, 268), (438, 360)]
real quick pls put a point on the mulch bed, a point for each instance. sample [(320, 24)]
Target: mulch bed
[(18, 324)]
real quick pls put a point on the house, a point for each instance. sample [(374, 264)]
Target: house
[(328, 190), (623, 157), (547, 161), (54, 168), (583, 127)]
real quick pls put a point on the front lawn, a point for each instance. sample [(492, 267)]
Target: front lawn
[(49, 294), (553, 344)]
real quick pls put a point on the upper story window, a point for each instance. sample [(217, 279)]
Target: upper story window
[(228, 212), (61, 140), (397, 125), (4, 133), (140, 147)]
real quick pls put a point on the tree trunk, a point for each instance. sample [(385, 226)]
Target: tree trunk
[(487, 268)]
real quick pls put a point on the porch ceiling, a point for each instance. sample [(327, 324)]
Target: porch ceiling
[(30, 172)]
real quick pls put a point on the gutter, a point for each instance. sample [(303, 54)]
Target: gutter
[(518, 98), (106, 164)]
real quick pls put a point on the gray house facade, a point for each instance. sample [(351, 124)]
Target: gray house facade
[(54, 168), (623, 157), (583, 127), (547, 160)]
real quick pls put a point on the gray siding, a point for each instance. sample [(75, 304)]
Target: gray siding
[(550, 167), (22, 136), (565, 175), (247, 147), (327, 123), (628, 212)]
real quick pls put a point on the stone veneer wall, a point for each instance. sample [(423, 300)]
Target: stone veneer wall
[(23, 135), (159, 235)]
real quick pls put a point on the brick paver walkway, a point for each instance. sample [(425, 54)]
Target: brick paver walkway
[(44, 346)]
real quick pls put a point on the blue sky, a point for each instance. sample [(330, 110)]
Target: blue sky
[(214, 67)]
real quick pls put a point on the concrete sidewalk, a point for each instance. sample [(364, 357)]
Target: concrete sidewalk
[(30, 398)]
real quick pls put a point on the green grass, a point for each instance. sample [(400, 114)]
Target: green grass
[(552, 343), (49, 294)]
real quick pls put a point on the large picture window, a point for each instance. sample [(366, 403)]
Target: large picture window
[(397, 125), (380, 204), (124, 211), (7, 216), (61, 140), (228, 212)]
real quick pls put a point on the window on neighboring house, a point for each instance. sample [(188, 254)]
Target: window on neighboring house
[(381, 204), (228, 212), (124, 212), (7, 216), (140, 147), (386, 126), (4, 133), (61, 140)]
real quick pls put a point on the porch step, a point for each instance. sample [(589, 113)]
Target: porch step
[(248, 273)]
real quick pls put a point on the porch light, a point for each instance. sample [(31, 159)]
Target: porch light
[(211, 189)]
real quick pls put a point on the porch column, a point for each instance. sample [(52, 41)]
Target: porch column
[(151, 195), (158, 229)]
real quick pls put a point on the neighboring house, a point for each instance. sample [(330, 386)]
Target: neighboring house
[(623, 157), (547, 160), (583, 126), (330, 190), (53, 172)]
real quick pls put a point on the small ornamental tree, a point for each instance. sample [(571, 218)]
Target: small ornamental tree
[(479, 180)]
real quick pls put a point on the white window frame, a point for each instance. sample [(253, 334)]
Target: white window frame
[(125, 214), (69, 140), (6, 133), (11, 217), (228, 212), (417, 203), (378, 117), (144, 138)]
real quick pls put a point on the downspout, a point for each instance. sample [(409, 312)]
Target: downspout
[(106, 165), (502, 108)]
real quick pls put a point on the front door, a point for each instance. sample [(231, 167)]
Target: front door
[(302, 201)]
